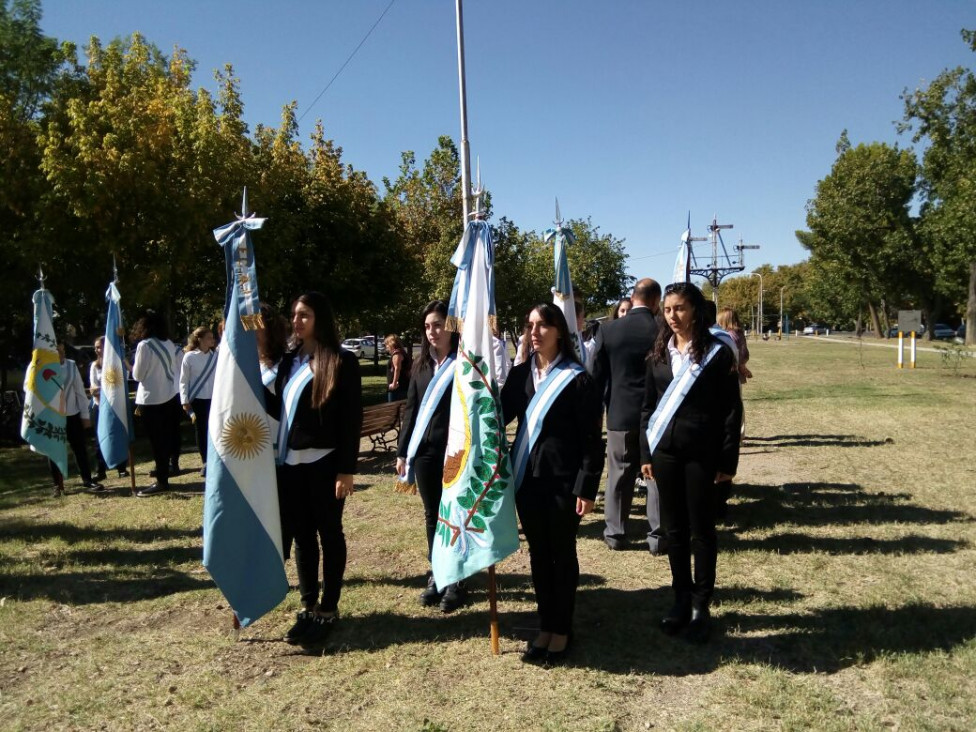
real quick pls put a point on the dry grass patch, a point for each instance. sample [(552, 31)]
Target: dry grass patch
[(845, 596)]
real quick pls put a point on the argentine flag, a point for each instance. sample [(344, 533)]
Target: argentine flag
[(241, 523), (115, 430), (43, 423), (476, 525), (562, 294), (683, 262)]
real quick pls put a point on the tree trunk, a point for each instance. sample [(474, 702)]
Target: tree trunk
[(875, 322), (971, 307)]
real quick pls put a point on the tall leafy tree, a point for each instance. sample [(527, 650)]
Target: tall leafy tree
[(943, 116), (859, 220), (32, 66)]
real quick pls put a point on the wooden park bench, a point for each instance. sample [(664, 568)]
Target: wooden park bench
[(379, 420)]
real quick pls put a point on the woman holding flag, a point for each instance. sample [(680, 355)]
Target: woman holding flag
[(557, 459), (196, 384), (423, 437), (155, 366), (689, 442), (318, 390)]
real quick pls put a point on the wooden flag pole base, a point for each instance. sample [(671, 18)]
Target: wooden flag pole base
[(132, 473), (493, 610)]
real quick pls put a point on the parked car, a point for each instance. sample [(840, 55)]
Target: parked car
[(815, 329), (362, 347), (354, 345), (893, 333), (961, 334), (942, 332)]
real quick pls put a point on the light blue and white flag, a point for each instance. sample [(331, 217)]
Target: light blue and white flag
[(43, 423), (562, 292), (241, 523), (682, 264), (476, 525), (115, 424)]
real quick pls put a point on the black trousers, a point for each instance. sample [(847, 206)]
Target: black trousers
[(430, 475), (549, 520), (162, 423), (688, 500), (201, 410), (313, 515), (75, 434)]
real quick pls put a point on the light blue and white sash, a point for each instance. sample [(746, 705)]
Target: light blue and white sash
[(208, 369), (289, 407), (438, 386), (165, 359), (559, 377), (726, 338), (268, 376), (674, 395)]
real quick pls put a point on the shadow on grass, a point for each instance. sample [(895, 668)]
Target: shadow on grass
[(792, 543), (84, 588), (813, 441), (827, 504)]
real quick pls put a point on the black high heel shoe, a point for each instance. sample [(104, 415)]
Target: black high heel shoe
[(534, 654), (557, 658)]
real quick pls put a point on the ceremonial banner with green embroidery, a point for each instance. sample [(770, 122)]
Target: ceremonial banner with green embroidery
[(476, 525), (43, 422)]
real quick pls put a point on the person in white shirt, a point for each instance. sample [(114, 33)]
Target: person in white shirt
[(196, 384), (156, 364), (503, 364), (76, 422)]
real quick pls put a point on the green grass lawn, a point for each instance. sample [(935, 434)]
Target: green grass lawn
[(845, 595)]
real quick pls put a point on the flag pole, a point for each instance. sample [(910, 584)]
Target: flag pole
[(465, 153), (465, 149)]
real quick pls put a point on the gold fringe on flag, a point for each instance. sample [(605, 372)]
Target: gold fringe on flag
[(454, 323), (252, 322), (407, 489)]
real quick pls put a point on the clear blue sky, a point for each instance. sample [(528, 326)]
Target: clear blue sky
[(632, 113)]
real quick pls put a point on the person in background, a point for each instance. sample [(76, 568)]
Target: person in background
[(95, 389), (619, 370), (728, 320), (589, 345), (156, 366), (561, 474), (503, 364), (398, 368), (622, 307), (77, 420), (423, 438), (690, 442), (318, 393), (196, 384)]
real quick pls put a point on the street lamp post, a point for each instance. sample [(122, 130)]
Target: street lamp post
[(756, 274)]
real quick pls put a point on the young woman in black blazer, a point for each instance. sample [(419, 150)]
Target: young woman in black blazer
[(561, 477), (698, 448), (318, 449), (438, 346)]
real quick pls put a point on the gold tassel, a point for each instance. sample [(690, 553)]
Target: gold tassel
[(453, 324), (407, 489), (493, 323), (252, 322)]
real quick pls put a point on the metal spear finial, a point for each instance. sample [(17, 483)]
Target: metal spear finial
[(40, 276), (244, 210), (477, 192), (559, 217), (115, 271)]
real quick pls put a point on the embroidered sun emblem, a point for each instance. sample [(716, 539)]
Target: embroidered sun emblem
[(112, 377), (244, 436)]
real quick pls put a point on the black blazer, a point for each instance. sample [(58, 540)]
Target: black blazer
[(708, 422), (337, 423), (620, 366), (570, 445), (434, 442)]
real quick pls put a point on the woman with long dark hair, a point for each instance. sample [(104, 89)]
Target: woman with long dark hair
[(557, 461), (196, 384), (318, 389), (156, 367), (423, 437), (689, 442)]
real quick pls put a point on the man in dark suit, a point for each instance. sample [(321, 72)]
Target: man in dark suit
[(620, 367)]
